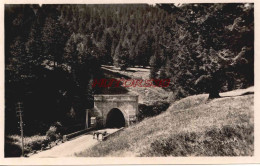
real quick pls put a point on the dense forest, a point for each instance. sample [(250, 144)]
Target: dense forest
[(53, 52)]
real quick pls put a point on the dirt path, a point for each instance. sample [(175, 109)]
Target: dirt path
[(237, 92)]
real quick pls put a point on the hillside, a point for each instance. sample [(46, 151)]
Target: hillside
[(193, 126), (146, 95)]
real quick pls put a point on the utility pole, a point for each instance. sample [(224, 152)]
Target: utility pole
[(19, 114)]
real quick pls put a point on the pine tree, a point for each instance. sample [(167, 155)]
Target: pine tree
[(54, 38)]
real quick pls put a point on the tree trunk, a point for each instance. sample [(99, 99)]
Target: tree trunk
[(215, 85), (214, 93)]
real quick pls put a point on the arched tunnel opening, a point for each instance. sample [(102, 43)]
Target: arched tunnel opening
[(115, 119)]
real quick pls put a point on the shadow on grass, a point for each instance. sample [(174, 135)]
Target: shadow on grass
[(129, 70)]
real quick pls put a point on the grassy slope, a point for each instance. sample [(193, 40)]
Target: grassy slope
[(192, 126), (147, 95)]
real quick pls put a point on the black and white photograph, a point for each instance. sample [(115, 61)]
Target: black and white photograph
[(129, 80)]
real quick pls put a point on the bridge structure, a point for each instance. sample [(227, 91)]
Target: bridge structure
[(114, 111)]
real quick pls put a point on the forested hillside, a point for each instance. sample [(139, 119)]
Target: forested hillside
[(53, 52)]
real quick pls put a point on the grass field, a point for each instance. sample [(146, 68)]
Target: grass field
[(193, 126)]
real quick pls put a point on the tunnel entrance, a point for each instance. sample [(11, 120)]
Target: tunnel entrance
[(115, 119)]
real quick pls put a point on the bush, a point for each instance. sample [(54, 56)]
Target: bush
[(53, 133), (152, 110), (36, 145)]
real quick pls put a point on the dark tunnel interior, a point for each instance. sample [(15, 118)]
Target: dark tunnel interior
[(115, 119)]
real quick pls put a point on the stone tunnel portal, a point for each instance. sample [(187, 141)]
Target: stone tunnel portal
[(114, 110)]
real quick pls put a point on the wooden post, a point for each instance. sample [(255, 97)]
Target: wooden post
[(86, 126)]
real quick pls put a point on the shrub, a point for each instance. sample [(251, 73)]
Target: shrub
[(34, 142), (152, 110), (53, 133), (35, 145)]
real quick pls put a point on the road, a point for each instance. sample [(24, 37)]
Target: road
[(69, 148)]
